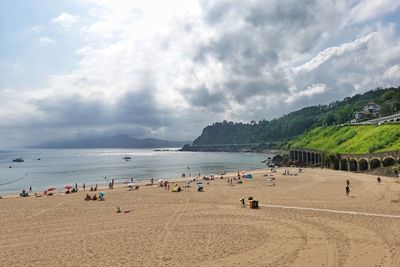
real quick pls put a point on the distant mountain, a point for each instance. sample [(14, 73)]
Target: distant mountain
[(296, 123), (119, 141)]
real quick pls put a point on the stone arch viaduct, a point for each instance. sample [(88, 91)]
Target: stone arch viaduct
[(345, 162)]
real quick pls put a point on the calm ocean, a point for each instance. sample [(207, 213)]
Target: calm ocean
[(60, 167)]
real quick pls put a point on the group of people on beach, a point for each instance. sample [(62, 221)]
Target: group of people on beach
[(88, 197), (93, 188), (164, 184)]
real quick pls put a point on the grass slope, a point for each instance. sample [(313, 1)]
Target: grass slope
[(357, 139)]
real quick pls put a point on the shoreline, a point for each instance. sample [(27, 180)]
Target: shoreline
[(146, 182), (140, 182)]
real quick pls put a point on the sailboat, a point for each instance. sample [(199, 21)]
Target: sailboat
[(126, 156)]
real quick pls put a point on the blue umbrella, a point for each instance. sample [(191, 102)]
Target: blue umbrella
[(102, 194)]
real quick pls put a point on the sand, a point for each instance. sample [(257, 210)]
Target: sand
[(211, 228)]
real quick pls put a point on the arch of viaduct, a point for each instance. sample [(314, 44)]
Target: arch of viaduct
[(345, 162)]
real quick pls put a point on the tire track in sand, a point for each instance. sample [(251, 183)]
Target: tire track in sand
[(332, 211), (49, 209), (168, 230), (292, 238)]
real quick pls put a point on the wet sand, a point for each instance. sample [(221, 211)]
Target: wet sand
[(211, 228)]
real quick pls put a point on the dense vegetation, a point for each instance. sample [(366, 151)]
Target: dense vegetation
[(296, 123), (354, 139)]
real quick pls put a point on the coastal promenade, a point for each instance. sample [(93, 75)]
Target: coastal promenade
[(386, 119), (345, 162)]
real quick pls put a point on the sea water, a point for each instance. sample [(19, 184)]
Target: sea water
[(61, 167)]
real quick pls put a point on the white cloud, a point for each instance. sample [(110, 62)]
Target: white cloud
[(366, 10), (310, 91), (331, 52), (44, 40), (66, 20), (37, 28)]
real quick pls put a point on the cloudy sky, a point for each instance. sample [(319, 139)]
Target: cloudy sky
[(166, 69)]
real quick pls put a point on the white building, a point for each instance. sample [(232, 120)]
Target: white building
[(371, 110)]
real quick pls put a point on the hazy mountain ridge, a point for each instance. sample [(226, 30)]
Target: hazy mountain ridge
[(119, 141)]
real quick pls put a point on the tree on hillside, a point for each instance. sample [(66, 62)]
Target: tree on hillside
[(396, 105), (387, 95), (386, 109), (329, 119)]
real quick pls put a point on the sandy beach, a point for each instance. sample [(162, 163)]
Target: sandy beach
[(304, 220)]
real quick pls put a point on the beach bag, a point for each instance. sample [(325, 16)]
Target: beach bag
[(254, 204)]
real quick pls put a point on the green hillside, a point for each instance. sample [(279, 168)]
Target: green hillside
[(296, 123), (357, 139)]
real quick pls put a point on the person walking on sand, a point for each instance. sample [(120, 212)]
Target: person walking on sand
[(347, 190), (347, 182), (379, 179), (84, 187), (30, 189)]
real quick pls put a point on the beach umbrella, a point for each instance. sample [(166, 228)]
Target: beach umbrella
[(248, 176), (160, 180), (67, 187), (200, 183), (102, 194), (52, 189), (130, 185)]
